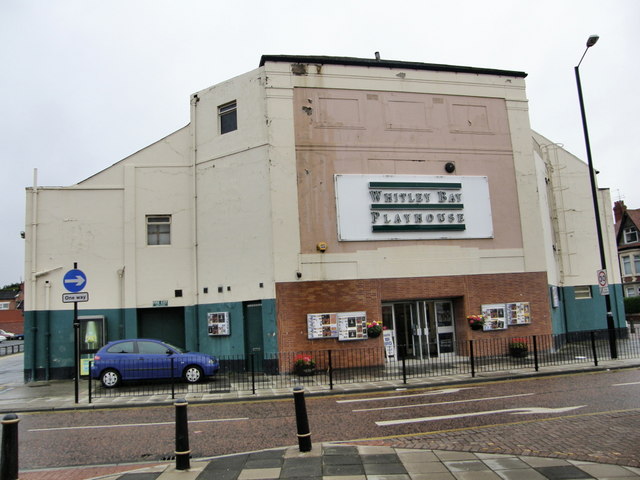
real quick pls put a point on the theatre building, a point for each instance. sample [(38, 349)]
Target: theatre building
[(314, 195)]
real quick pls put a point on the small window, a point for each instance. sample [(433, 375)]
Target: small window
[(626, 265), (630, 291), (630, 235), (228, 114), (582, 291), (4, 305), (158, 229), (636, 264)]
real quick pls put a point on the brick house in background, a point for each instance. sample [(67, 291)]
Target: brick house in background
[(11, 310), (313, 194), (628, 241)]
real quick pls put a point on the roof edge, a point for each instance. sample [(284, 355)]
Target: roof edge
[(370, 62)]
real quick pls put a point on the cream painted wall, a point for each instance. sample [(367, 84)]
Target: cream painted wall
[(575, 228), (73, 225)]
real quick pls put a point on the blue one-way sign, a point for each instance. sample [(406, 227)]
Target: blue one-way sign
[(74, 280)]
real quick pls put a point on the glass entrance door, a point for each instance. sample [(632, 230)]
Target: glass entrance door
[(421, 328)]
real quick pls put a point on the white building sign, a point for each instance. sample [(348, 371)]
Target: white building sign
[(412, 207)]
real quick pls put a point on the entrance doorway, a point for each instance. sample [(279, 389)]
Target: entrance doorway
[(166, 324), (254, 340), (420, 328)]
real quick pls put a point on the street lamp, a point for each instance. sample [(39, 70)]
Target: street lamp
[(594, 193)]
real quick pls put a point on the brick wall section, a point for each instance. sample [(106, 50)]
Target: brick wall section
[(468, 292)]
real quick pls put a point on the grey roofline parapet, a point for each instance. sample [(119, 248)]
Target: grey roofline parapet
[(371, 62)]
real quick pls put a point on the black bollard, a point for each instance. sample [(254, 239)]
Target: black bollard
[(302, 421), (9, 461), (182, 436)]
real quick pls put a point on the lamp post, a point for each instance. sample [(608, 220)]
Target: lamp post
[(594, 193)]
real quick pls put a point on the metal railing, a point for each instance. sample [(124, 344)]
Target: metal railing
[(369, 365), (11, 349)]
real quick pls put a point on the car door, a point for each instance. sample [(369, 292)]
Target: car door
[(155, 359), (121, 356)]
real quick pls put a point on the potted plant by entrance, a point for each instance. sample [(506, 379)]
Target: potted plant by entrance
[(304, 365), (518, 347), (374, 329), (476, 322)]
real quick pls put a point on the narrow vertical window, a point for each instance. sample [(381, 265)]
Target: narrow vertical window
[(158, 229), (626, 265), (228, 114)]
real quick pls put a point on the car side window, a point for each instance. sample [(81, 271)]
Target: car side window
[(123, 347), (152, 348)]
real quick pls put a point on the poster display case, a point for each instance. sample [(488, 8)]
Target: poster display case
[(494, 317), (218, 324), (343, 325), (322, 325), (518, 313)]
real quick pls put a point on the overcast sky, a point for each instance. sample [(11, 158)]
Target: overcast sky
[(85, 83)]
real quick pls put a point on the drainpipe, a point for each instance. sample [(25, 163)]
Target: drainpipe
[(47, 329), (121, 302), (34, 281), (194, 213)]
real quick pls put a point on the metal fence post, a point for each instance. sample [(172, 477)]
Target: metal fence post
[(471, 359), (9, 461), (173, 381), (302, 420), (593, 347), (182, 436), (330, 371), (252, 357), (90, 364), (613, 347), (404, 369)]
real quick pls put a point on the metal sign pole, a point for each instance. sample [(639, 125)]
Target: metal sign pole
[(76, 344)]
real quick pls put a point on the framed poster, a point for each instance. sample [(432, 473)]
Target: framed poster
[(518, 313), (494, 317), (322, 325), (352, 326), (218, 323)]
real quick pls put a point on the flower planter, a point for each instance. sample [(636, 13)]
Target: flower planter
[(518, 352), (477, 327), (305, 371)]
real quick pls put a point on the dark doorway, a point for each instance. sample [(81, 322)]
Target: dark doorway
[(166, 324), (254, 343)]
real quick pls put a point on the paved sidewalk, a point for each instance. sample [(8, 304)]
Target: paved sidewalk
[(366, 460), (345, 462)]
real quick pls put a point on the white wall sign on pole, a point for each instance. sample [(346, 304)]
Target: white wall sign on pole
[(603, 283), (75, 297)]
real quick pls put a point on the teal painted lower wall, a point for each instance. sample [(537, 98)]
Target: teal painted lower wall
[(572, 314), (49, 347), (49, 335)]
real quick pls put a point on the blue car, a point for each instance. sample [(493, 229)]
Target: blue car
[(143, 359)]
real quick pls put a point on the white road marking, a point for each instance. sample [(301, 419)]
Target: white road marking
[(393, 397), (513, 411), (624, 384), (443, 403), (126, 425)]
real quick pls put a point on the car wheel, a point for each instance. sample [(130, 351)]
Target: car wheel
[(110, 378), (192, 374)]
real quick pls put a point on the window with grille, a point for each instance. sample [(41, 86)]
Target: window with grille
[(158, 229), (582, 291)]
